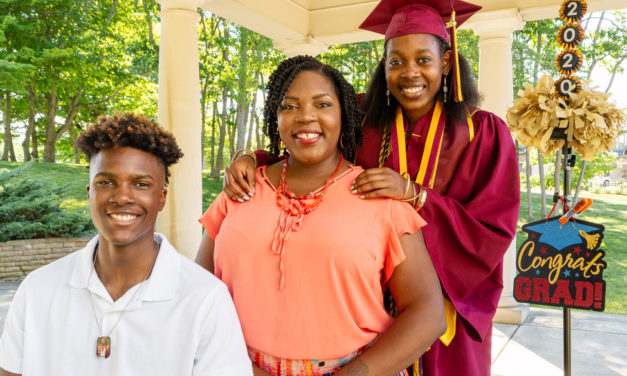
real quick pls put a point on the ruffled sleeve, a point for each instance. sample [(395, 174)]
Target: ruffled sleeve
[(212, 219), (402, 219)]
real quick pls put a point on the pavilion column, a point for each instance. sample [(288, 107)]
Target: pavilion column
[(179, 112), (496, 85)]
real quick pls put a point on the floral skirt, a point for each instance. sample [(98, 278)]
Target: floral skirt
[(296, 367)]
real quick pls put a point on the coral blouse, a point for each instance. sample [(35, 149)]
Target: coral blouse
[(331, 300)]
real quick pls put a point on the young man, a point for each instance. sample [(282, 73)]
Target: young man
[(127, 303)]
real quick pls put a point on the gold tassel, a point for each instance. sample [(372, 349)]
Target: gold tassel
[(591, 240)]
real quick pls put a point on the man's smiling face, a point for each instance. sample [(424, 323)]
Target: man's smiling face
[(126, 192)]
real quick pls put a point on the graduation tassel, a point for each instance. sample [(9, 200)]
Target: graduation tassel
[(456, 87), (591, 240)]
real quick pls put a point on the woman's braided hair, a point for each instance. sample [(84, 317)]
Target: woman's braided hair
[(129, 129), (351, 134)]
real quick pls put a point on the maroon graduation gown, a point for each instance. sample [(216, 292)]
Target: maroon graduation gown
[(471, 215)]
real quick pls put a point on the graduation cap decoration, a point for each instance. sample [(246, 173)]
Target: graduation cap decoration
[(561, 265), (394, 18)]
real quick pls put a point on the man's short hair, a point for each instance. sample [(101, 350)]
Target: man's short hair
[(133, 130)]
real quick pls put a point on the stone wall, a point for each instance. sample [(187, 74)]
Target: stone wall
[(20, 257)]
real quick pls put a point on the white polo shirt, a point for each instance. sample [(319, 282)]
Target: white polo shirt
[(182, 322)]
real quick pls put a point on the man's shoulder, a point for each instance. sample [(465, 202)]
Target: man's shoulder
[(193, 279), (56, 271)]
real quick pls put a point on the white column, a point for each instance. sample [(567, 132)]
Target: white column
[(496, 84), (179, 112), (308, 46)]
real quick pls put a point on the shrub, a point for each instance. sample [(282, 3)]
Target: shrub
[(31, 208)]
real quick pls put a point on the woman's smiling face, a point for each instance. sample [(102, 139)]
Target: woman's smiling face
[(309, 118), (414, 66)]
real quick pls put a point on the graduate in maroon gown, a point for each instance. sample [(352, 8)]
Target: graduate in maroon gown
[(426, 142)]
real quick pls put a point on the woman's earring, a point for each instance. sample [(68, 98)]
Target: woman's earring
[(445, 89), (387, 94)]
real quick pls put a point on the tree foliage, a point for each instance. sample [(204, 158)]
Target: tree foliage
[(32, 209)]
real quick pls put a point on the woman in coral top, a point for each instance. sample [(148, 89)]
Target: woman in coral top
[(306, 261)]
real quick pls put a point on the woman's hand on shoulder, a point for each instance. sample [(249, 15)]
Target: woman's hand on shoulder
[(239, 179), (381, 182)]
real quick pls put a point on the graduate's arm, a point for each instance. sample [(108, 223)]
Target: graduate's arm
[(472, 226), (417, 293)]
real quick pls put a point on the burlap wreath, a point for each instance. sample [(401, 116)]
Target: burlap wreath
[(592, 123)]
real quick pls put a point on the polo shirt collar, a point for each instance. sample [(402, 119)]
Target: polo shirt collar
[(161, 285)]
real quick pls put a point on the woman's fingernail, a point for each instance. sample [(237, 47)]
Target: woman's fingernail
[(240, 200), (250, 194), (353, 191), (362, 196), (246, 198)]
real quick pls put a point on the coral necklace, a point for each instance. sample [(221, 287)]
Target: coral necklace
[(303, 204), (293, 211)]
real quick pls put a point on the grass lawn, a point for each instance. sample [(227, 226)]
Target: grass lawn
[(613, 215)]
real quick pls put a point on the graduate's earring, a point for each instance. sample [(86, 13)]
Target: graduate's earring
[(445, 89), (387, 94)]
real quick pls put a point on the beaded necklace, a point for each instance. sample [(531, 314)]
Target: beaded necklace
[(303, 204)]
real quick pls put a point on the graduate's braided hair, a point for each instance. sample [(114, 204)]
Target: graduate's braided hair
[(351, 134), (129, 129)]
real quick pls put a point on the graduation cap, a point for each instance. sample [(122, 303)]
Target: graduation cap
[(559, 236), (394, 18)]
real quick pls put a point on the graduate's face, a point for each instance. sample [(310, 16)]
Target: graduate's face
[(414, 66), (309, 118), (126, 192)]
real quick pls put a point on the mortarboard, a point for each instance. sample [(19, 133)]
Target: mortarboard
[(559, 236), (394, 18)]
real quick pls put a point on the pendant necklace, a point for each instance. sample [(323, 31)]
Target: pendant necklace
[(103, 343)]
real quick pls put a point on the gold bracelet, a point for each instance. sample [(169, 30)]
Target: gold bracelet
[(406, 188), (412, 198), (243, 152), (422, 197)]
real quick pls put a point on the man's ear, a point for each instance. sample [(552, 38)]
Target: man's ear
[(162, 197), (87, 188)]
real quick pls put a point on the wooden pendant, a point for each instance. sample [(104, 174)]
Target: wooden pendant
[(103, 347)]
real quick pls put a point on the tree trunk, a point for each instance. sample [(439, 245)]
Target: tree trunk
[(77, 153), (214, 116), (251, 123), (242, 93), (30, 127), (52, 135), (579, 182), (8, 153), (215, 173), (556, 176), (203, 124), (51, 125), (259, 134), (232, 135), (542, 184), (528, 182)]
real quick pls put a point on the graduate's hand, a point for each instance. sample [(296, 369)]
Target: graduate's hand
[(239, 179), (381, 182)]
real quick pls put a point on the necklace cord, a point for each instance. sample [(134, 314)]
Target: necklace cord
[(91, 299)]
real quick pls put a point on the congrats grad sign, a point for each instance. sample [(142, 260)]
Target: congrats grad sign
[(561, 265)]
